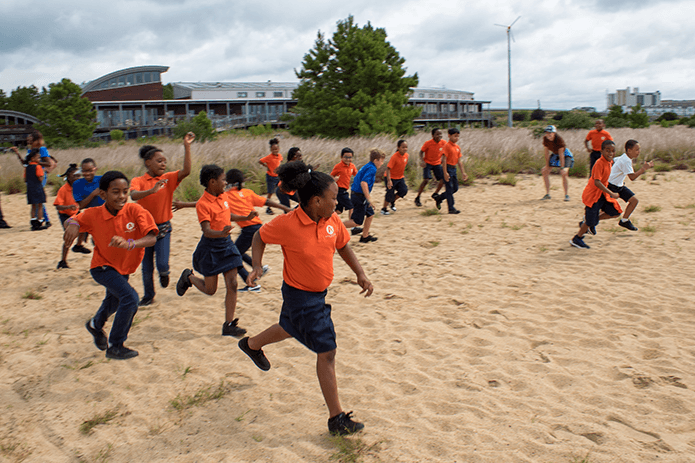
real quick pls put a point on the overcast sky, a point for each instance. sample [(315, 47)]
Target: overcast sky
[(567, 53)]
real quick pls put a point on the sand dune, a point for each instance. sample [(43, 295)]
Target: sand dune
[(488, 339)]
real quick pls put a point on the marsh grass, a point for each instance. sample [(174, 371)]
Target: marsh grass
[(486, 152), (202, 396), (351, 449), (509, 179), (652, 209), (32, 294), (87, 426), (429, 212), (648, 229), (13, 450)]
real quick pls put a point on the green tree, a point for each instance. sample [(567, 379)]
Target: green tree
[(520, 116), (638, 117), (3, 99), (200, 125), (353, 84), (616, 117), (576, 120), (65, 115), (537, 115), (25, 100), (668, 116), (168, 92)]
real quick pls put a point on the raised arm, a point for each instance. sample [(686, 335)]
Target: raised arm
[(187, 140)]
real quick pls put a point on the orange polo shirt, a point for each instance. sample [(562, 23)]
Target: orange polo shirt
[(453, 153), (65, 198), (131, 222), (344, 174), (433, 151), (597, 138), (159, 203), (592, 193), (307, 247), (242, 202), (397, 165), (272, 161), (39, 170), (214, 209)]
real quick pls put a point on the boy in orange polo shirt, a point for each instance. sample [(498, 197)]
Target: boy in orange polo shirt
[(394, 177), (451, 157), (271, 163), (309, 237), (66, 206), (155, 192), (120, 231), (596, 136), (600, 202), (431, 162), (342, 173), (215, 253)]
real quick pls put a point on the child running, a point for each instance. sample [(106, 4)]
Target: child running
[(293, 154), (431, 162), (309, 237), (599, 200), (36, 196), (394, 177), (120, 231), (342, 173), (361, 190), (215, 253), (271, 163), (451, 158), (242, 202), (86, 192), (66, 206), (155, 192), (622, 167)]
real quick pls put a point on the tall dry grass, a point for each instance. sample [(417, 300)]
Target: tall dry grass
[(486, 151)]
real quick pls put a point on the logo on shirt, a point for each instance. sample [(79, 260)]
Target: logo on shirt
[(330, 230), (130, 226), (226, 205)]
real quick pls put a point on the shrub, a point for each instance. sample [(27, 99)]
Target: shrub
[(261, 130), (580, 168), (559, 115), (668, 116), (537, 115), (200, 125), (117, 135), (576, 120), (520, 116), (14, 185)]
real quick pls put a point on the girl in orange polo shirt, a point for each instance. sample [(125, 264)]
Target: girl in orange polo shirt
[(309, 236), (216, 252), (66, 206), (155, 192), (120, 231)]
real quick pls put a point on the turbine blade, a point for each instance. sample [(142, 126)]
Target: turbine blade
[(515, 21)]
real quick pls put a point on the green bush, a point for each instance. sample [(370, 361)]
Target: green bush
[(200, 125), (668, 116), (520, 116), (576, 120), (117, 135), (580, 168), (261, 130), (14, 185), (537, 115)]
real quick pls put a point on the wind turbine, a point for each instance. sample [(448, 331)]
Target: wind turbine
[(509, 64)]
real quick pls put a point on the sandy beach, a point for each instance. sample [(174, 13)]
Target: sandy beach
[(488, 339)]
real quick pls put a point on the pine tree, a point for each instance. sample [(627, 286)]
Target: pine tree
[(353, 84), (65, 114)]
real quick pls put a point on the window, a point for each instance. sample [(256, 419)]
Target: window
[(129, 79), (431, 95), (421, 95), (277, 94), (260, 94), (241, 94), (138, 78), (146, 75), (121, 81), (112, 82), (439, 95), (155, 77)]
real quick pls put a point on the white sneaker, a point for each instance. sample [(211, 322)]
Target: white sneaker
[(385, 212), (265, 270), (252, 289)]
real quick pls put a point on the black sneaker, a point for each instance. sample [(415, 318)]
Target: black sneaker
[(120, 353), (368, 239), (342, 424), (454, 211), (251, 289), (164, 280), (577, 242), (47, 224), (232, 329), (439, 200), (257, 356), (417, 201), (183, 284), (393, 207), (145, 301), (62, 264), (4, 224), (385, 211), (627, 224), (100, 339), (356, 230), (81, 249), (269, 211)]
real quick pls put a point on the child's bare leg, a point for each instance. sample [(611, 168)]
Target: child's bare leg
[(231, 296), (546, 179), (349, 223), (367, 224), (583, 229), (325, 370), (631, 205), (270, 335), (422, 186), (565, 181), (206, 286), (440, 183), (604, 216)]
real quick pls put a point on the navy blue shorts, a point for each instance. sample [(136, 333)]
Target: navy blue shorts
[(429, 169), (213, 256), (63, 218), (360, 208), (399, 189), (271, 183), (344, 201), (307, 318), (624, 192), (592, 213)]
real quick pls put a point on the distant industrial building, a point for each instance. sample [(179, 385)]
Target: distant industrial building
[(651, 102)]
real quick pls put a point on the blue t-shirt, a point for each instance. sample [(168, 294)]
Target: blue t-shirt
[(81, 189), (366, 174)]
